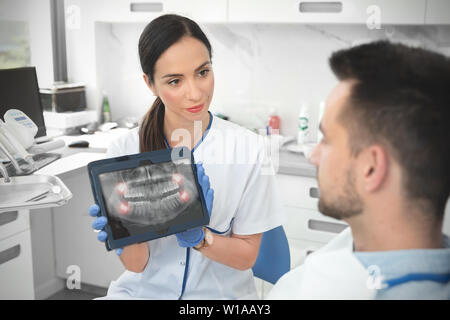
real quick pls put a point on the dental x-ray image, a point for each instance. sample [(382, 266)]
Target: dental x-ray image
[(150, 198)]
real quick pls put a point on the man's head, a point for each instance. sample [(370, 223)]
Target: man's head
[(387, 122)]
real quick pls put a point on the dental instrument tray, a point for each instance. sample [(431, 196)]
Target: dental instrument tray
[(32, 192), (148, 195)]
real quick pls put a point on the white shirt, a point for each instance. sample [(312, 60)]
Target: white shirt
[(332, 272), (245, 198)]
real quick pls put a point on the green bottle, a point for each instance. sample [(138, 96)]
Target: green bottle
[(106, 110)]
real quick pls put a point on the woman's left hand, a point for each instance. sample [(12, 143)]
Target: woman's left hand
[(191, 238)]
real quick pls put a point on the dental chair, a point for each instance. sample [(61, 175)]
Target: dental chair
[(274, 258)]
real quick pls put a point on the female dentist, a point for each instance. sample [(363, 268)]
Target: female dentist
[(203, 263)]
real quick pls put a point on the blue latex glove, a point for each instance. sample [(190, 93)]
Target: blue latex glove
[(99, 224), (191, 238)]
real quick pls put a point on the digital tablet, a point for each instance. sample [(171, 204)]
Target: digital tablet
[(148, 195)]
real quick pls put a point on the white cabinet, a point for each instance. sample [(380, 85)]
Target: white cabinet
[(16, 263), (437, 12), (76, 243), (300, 196), (13, 222), (200, 10), (268, 11), (144, 11), (91, 12), (311, 225), (296, 191), (314, 11)]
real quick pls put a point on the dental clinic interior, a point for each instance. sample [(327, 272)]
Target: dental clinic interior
[(73, 65)]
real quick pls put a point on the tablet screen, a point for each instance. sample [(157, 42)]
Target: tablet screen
[(151, 197)]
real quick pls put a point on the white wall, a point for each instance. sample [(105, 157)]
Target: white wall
[(122, 82), (37, 14), (256, 66)]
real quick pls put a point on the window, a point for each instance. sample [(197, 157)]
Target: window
[(14, 44)]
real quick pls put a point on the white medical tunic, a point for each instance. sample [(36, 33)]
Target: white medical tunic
[(246, 202)]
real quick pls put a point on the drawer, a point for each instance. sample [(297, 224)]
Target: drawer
[(298, 191), (311, 225), (12, 222), (16, 267)]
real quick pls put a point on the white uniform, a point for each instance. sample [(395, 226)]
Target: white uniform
[(245, 202), (332, 272)]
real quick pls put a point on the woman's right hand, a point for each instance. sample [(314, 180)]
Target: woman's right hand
[(134, 257)]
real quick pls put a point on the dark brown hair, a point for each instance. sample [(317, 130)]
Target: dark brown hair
[(401, 99), (156, 38)]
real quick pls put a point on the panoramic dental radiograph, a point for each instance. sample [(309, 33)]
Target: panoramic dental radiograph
[(149, 195)]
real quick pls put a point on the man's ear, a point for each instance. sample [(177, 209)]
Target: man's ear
[(375, 167), (149, 84)]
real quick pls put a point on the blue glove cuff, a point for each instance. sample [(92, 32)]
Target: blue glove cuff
[(190, 238)]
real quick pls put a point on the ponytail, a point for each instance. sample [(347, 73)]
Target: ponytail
[(151, 132)]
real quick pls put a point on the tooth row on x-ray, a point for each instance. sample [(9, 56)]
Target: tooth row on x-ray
[(151, 194)]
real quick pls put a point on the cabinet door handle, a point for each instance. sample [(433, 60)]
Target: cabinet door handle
[(146, 7), (314, 192), (7, 217), (320, 7), (325, 226), (9, 254)]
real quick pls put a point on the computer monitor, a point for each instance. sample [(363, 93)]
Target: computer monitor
[(19, 90)]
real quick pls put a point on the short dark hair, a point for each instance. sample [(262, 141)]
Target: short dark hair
[(401, 99)]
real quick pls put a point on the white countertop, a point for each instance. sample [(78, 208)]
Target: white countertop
[(97, 140), (70, 163), (295, 164), (76, 158)]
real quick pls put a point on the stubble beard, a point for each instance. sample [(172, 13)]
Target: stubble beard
[(346, 205)]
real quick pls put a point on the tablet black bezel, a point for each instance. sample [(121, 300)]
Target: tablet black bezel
[(96, 168)]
